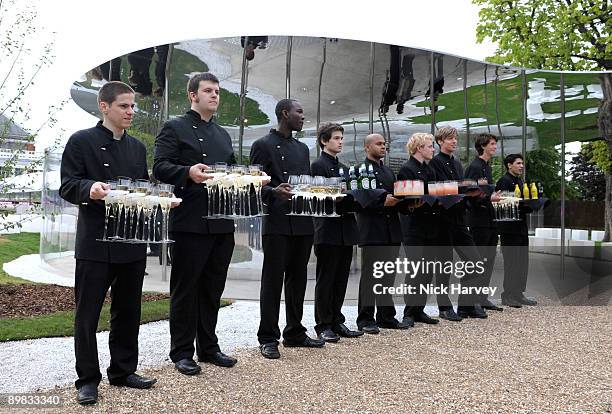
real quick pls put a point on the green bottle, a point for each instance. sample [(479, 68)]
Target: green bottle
[(352, 179), (364, 180)]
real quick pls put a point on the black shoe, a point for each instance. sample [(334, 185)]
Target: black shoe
[(134, 381), (307, 342), (392, 324), (525, 300), (371, 329), (475, 311), (270, 350), (450, 315), (408, 321), (488, 305), (424, 318), (510, 301), (329, 336), (219, 359), (345, 332), (187, 366), (87, 394)]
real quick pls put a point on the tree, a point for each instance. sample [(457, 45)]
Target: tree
[(588, 177), (556, 35), (22, 57)]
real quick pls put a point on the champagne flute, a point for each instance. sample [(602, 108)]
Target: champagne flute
[(294, 181), (109, 201), (165, 197), (123, 186), (142, 189), (221, 167)]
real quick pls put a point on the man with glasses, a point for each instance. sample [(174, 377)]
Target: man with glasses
[(202, 248), (92, 157)]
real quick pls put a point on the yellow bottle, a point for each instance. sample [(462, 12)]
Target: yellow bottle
[(517, 191), (534, 191), (525, 191)]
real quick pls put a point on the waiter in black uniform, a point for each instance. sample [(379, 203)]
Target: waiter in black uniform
[(287, 240), (420, 226), (91, 157), (334, 239), (480, 215), (379, 238), (202, 248), (514, 237), (454, 232)]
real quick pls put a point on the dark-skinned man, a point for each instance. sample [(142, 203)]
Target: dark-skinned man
[(514, 238), (455, 233), (480, 215), (92, 157), (287, 240), (203, 248), (334, 239), (379, 238)]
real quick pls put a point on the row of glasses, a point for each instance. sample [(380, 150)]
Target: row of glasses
[(310, 194), (507, 208), (229, 190), (131, 206)]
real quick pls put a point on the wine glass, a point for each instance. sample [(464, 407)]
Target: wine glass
[(294, 181), (109, 202), (165, 201), (123, 187)]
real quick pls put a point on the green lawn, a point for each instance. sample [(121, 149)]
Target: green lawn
[(11, 247)]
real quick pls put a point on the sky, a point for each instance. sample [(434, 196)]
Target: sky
[(86, 33)]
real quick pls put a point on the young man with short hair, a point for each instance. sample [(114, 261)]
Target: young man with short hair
[(514, 237), (480, 215), (454, 231), (334, 239), (92, 157), (203, 248)]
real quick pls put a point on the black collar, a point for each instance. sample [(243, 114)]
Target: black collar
[(446, 156), (417, 162), (196, 117), (277, 133), (109, 134), (330, 157)]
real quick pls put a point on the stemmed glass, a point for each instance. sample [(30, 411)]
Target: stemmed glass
[(236, 190), (318, 188), (165, 201), (294, 181), (220, 167), (142, 189), (123, 187), (255, 170), (151, 201), (335, 189), (109, 202)]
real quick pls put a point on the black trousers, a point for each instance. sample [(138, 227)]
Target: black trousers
[(418, 246), (486, 240), (197, 280), (515, 248), (333, 268), (285, 262), (368, 301), (92, 281), (457, 237)]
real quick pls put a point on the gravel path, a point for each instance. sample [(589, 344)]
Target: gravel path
[(542, 359)]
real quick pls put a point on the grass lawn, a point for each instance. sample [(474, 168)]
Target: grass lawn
[(11, 247)]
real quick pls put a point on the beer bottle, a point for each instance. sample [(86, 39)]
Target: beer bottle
[(352, 179), (517, 191), (372, 176), (343, 185), (534, 191), (364, 180), (525, 191)]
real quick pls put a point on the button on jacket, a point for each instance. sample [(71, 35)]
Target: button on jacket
[(508, 182), (480, 213), (183, 142), (379, 225), (94, 155), (424, 219), (281, 157), (337, 231)]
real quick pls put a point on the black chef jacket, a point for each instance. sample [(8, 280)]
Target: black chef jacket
[(337, 231), (93, 155), (183, 142), (281, 157), (448, 168), (379, 225), (480, 213), (508, 182), (425, 218)]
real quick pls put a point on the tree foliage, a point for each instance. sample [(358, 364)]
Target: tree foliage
[(587, 175), (548, 34)]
